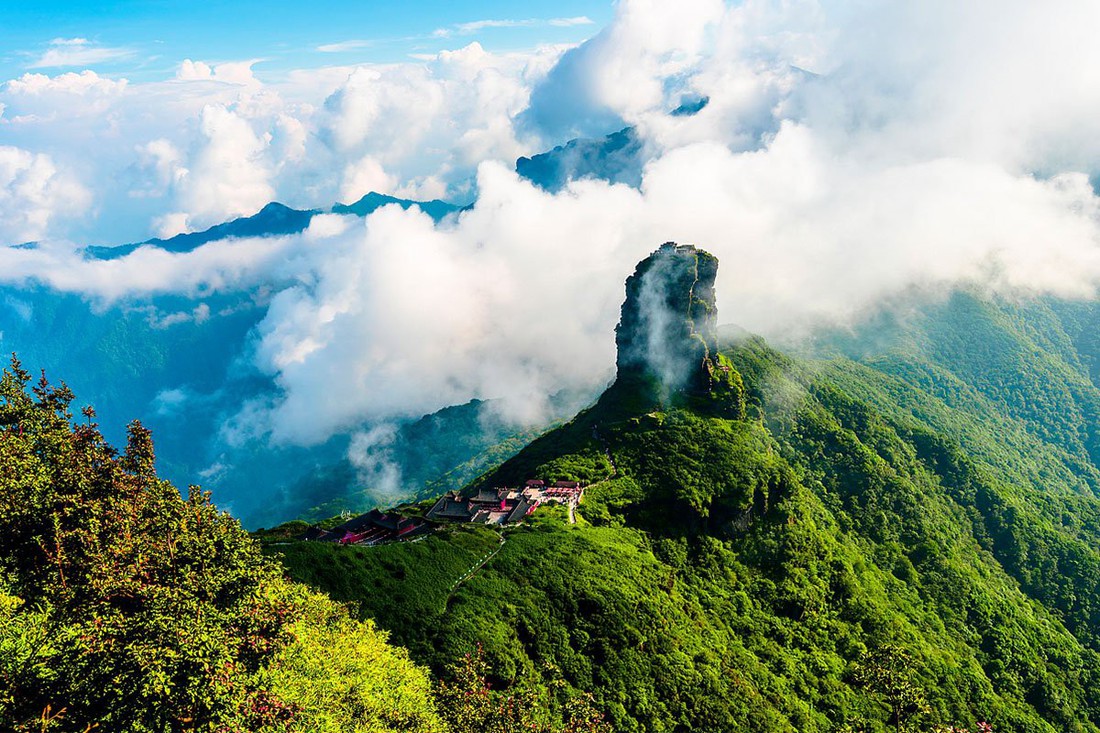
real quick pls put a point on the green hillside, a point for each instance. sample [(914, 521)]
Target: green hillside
[(126, 607), (897, 531)]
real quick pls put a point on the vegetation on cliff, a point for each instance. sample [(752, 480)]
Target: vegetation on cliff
[(897, 532)]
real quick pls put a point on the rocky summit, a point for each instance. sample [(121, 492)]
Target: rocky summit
[(667, 333)]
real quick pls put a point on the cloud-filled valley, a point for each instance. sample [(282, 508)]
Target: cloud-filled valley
[(846, 153)]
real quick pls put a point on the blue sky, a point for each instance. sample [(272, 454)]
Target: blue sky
[(116, 113), (147, 39), (932, 143)]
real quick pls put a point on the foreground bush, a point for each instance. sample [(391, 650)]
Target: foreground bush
[(125, 607)]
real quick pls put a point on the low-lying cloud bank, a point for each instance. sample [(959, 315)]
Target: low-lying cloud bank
[(848, 152)]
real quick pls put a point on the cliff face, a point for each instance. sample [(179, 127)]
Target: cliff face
[(668, 329)]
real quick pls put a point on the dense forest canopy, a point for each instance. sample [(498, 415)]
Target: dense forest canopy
[(124, 606), (897, 531)]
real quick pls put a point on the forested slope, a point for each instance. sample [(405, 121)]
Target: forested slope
[(125, 607), (899, 530)]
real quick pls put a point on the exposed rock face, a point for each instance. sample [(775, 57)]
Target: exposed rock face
[(668, 328)]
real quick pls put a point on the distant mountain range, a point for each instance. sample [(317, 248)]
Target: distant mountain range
[(617, 158), (272, 220)]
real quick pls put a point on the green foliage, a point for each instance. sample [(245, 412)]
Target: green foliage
[(606, 502), (126, 607), (901, 539), (469, 704), (340, 675), (698, 472), (408, 584), (888, 672)]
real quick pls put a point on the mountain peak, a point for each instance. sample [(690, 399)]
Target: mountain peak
[(274, 208), (372, 201), (667, 333)]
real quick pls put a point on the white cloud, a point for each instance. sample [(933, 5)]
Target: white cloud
[(224, 266), (427, 188), (290, 140), (806, 237), (84, 83), (64, 52), (428, 123), (364, 176), (228, 176), (848, 151), (229, 72), (371, 453), (401, 317), (170, 401), (164, 164), (194, 71), (624, 71), (139, 142), (570, 22), (342, 46), (169, 225), (374, 104), (198, 315), (38, 100), (434, 119), (33, 192)]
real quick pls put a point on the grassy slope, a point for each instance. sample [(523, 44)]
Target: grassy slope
[(928, 493)]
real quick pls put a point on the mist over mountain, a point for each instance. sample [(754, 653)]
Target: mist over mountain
[(616, 158), (181, 362), (272, 220), (897, 530), (185, 358), (472, 450), (831, 167)]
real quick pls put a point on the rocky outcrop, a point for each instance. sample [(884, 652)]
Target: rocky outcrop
[(667, 333)]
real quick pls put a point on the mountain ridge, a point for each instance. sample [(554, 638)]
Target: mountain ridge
[(759, 571), (274, 219)]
